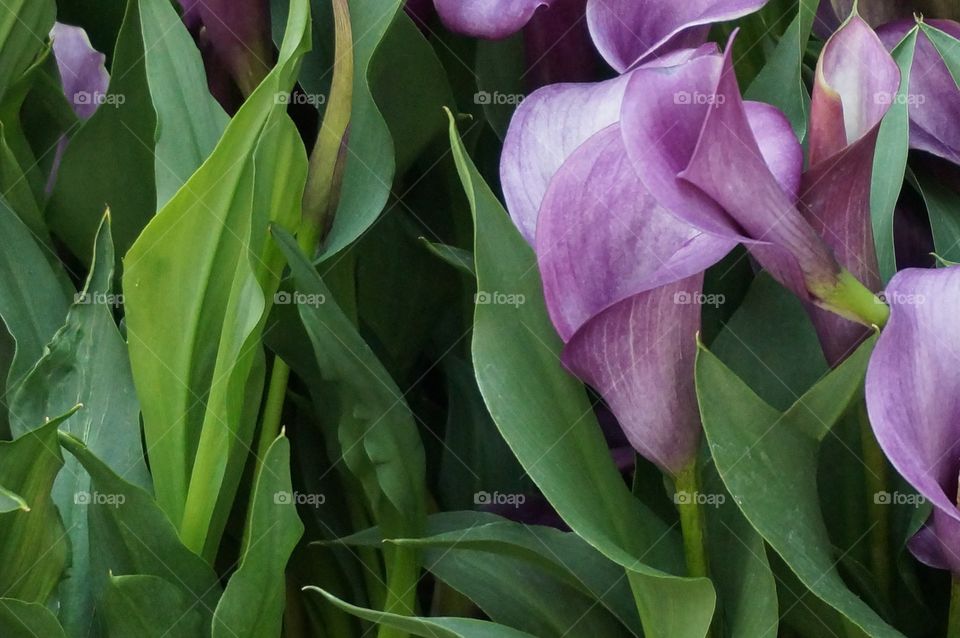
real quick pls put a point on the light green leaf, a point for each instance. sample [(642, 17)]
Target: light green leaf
[(189, 121), (253, 601), (33, 544), (198, 286), (544, 415), (86, 363), (24, 25), (768, 462), (150, 607), (19, 619), (429, 627), (890, 161)]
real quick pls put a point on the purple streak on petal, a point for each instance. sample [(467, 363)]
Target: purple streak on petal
[(630, 32), (913, 398), (602, 238), (856, 82), (639, 356), (491, 19), (558, 46), (935, 99), (82, 68)]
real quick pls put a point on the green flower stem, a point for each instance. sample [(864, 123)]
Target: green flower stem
[(692, 525), (953, 622), (403, 572), (876, 479), (851, 299)]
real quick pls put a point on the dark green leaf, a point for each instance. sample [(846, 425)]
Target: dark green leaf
[(150, 607), (19, 619)]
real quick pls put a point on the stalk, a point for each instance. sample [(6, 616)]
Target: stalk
[(877, 480), (403, 572), (953, 622), (692, 525)]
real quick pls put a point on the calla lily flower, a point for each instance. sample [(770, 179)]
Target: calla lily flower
[(627, 33), (235, 38), (83, 71), (688, 134), (911, 385), (934, 99), (856, 81)]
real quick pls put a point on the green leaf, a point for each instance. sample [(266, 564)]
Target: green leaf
[(943, 210), (500, 67), (24, 25), (780, 81), (86, 363), (19, 619), (150, 607), (109, 160), (198, 286), (189, 121), (768, 462), (253, 601), (890, 161), (459, 258), (946, 46), (130, 535), (33, 301), (544, 415), (11, 501), (33, 545), (429, 627)]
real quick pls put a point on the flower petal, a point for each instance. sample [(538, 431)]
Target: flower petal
[(82, 68), (911, 387), (631, 32), (856, 82), (491, 19)]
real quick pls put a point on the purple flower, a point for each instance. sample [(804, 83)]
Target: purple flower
[(235, 39), (912, 386), (934, 99), (82, 69), (856, 81), (689, 135), (627, 33)]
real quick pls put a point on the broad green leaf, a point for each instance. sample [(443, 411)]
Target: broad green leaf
[(16, 186), (33, 544), (562, 555), (110, 158), (768, 462), (24, 25), (780, 81), (545, 417), (890, 161), (33, 301), (500, 68), (253, 601), (943, 209), (457, 257), (131, 536), (198, 285), (410, 86), (377, 437), (429, 627), (946, 46), (86, 363), (150, 607), (19, 619), (189, 121)]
